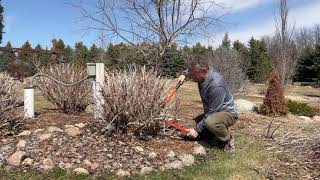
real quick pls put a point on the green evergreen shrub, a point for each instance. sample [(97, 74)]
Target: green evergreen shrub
[(302, 109)]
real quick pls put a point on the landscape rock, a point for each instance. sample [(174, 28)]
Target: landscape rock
[(16, 158), (44, 137), (121, 172), (81, 171), (245, 106), (305, 118), (86, 162), (94, 166), (171, 155), (73, 131), (199, 150), (24, 133), (61, 165), (316, 118), (52, 129), (138, 148), (152, 155), (27, 162), (90, 109), (5, 148), (146, 170), (37, 131), (21, 144), (68, 126), (187, 159), (174, 165), (80, 125), (67, 166), (47, 164)]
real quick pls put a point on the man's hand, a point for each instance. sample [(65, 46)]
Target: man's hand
[(181, 78), (192, 133)]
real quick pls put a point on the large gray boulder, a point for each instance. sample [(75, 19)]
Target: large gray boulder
[(246, 106)]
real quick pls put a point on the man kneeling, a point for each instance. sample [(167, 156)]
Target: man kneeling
[(219, 108)]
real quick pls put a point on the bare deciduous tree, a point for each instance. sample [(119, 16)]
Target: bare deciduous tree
[(306, 38), (159, 22), (228, 62), (282, 48)]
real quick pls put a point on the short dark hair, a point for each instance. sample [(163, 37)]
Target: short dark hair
[(199, 61)]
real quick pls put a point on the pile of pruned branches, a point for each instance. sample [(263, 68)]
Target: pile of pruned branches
[(10, 117), (66, 98), (133, 101), (301, 148)]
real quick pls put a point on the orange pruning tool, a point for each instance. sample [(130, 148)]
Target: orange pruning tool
[(172, 94), (175, 126), (169, 98)]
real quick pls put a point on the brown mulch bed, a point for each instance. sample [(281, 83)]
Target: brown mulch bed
[(109, 154), (55, 118)]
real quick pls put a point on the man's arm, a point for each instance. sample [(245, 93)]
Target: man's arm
[(215, 101)]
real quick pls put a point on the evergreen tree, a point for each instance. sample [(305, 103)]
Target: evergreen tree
[(94, 53), (173, 62), (1, 21), (80, 53), (309, 66), (226, 42), (43, 57), (38, 47), (60, 46), (260, 64), (244, 54), (274, 103), (6, 57), (198, 49), (113, 54), (26, 55), (68, 54)]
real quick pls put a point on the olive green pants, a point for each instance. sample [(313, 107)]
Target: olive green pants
[(218, 123)]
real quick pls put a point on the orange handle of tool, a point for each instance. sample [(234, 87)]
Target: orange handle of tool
[(172, 94), (177, 127), (169, 98)]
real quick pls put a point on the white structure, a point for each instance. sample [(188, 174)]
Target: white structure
[(97, 87), (29, 102), (93, 70)]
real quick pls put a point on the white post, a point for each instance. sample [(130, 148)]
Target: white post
[(29, 102), (97, 87)]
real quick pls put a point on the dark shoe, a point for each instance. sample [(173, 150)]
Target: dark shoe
[(230, 147)]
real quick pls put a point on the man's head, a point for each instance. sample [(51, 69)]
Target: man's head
[(198, 68)]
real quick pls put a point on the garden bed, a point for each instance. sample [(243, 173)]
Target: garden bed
[(56, 140)]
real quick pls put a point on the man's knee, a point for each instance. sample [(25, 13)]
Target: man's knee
[(213, 126), (219, 119)]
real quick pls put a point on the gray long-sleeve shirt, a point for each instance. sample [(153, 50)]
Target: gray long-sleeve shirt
[(215, 95)]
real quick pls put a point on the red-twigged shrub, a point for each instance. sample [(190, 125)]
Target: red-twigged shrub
[(274, 103)]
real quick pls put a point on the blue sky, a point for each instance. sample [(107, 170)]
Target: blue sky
[(39, 21)]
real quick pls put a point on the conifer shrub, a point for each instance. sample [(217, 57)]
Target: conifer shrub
[(274, 103), (301, 109)]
